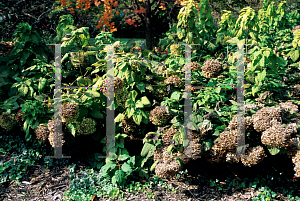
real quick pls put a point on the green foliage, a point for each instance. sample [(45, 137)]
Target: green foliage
[(7, 121), (65, 26), (105, 38), (19, 156), (88, 183), (35, 113), (86, 126), (28, 46), (194, 28)]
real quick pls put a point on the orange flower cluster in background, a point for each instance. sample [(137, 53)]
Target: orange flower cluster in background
[(162, 6), (107, 15), (139, 11)]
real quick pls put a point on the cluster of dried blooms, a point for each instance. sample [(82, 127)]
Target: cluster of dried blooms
[(212, 68)]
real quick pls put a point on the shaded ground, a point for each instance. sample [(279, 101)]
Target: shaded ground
[(49, 184)]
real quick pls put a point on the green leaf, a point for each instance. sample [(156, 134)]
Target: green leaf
[(119, 117), (216, 133), (25, 56), (175, 95), (273, 151), (40, 98), (207, 144), (133, 95), (42, 84), (255, 89), (123, 157), (91, 93), (139, 104), (170, 148), (114, 193), (138, 117), (24, 90), (294, 55), (141, 87), (153, 165), (120, 177), (97, 114), (262, 61), (81, 82), (145, 100), (146, 148), (126, 168), (129, 112), (72, 128)]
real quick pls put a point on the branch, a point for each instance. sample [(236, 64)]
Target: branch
[(132, 8), (167, 14), (127, 7), (156, 7)]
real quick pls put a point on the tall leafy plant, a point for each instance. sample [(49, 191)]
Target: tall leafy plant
[(195, 27)]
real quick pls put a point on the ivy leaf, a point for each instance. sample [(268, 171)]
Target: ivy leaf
[(139, 104), (141, 86), (273, 151), (119, 117), (97, 114), (153, 165), (145, 100), (42, 84), (262, 61), (24, 57), (114, 193), (207, 144), (138, 117)]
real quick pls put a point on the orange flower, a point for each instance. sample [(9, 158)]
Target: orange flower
[(113, 30), (97, 3), (130, 21), (118, 13)]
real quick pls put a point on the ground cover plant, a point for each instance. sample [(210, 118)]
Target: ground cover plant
[(150, 97)]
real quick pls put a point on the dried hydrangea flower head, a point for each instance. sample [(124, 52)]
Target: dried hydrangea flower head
[(212, 68), (265, 118), (253, 156), (54, 139), (7, 121), (159, 116), (42, 133)]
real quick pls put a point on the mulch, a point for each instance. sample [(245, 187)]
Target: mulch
[(42, 184)]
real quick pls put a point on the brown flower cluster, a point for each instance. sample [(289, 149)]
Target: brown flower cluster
[(42, 133), (167, 166), (296, 161), (253, 156), (276, 136), (194, 66), (265, 118), (69, 112), (212, 68), (53, 139), (173, 80), (159, 116), (289, 107)]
